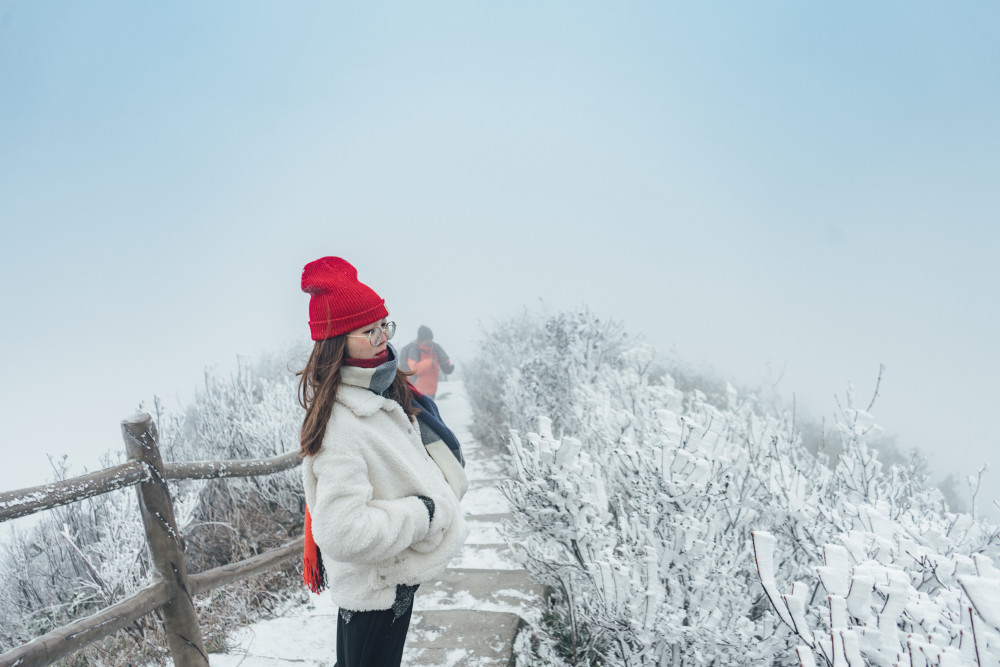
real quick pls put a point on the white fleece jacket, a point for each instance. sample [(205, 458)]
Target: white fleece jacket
[(362, 487)]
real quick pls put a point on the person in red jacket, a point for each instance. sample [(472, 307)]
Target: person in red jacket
[(425, 358)]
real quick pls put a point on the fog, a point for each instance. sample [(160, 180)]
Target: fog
[(788, 190)]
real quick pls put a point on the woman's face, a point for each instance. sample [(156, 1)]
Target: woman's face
[(359, 344)]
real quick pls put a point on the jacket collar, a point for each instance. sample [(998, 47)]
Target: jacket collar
[(361, 401)]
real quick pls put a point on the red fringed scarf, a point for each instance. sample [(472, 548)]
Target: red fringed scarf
[(312, 561)]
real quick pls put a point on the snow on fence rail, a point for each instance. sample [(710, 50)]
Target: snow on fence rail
[(173, 590)]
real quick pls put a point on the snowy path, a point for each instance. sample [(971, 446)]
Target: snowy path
[(469, 618)]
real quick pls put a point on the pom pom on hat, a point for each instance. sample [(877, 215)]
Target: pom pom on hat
[(338, 302)]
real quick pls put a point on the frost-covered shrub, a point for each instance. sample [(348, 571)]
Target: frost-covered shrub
[(252, 414), (526, 367), (632, 512), (889, 593), (78, 559), (87, 555), (636, 501), (643, 524), (903, 581)]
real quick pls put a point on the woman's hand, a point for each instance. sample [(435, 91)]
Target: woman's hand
[(440, 522)]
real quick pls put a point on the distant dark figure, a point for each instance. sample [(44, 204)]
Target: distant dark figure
[(426, 358)]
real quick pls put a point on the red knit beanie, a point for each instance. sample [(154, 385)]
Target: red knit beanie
[(338, 302)]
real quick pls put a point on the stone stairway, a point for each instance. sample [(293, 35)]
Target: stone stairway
[(473, 614), (469, 618)]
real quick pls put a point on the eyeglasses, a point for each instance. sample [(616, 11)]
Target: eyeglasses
[(375, 335)]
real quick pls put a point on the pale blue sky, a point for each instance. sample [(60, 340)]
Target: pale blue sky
[(808, 184)]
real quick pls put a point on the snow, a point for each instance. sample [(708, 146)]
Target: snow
[(481, 532), (486, 557), (305, 633), (529, 608), (484, 500), (985, 596)]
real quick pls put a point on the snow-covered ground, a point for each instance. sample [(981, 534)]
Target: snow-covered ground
[(304, 631)]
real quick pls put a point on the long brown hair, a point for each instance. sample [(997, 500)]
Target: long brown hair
[(318, 385)]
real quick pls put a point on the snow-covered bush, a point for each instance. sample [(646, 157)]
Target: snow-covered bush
[(525, 368), (642, 524), (635, 501), (87, 555), (902, 582), (252, 414), (894, 593), (76, 560)]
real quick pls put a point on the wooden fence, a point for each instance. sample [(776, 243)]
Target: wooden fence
[(173, 589)]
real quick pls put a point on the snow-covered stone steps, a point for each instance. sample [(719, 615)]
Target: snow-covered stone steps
[(490, 590), (483, 499), (471, 617), (485, 465), (485, 482), (484, 531), (486, 557), (495, 519), (460, 638)]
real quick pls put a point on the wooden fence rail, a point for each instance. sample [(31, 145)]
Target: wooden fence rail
[(23, 502), (173, 589)]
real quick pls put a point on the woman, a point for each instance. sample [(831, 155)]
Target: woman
[(382, 515)]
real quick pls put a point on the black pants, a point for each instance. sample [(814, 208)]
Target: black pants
[(372, 638)]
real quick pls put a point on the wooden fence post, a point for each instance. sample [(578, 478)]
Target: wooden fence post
[(179, 617)]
